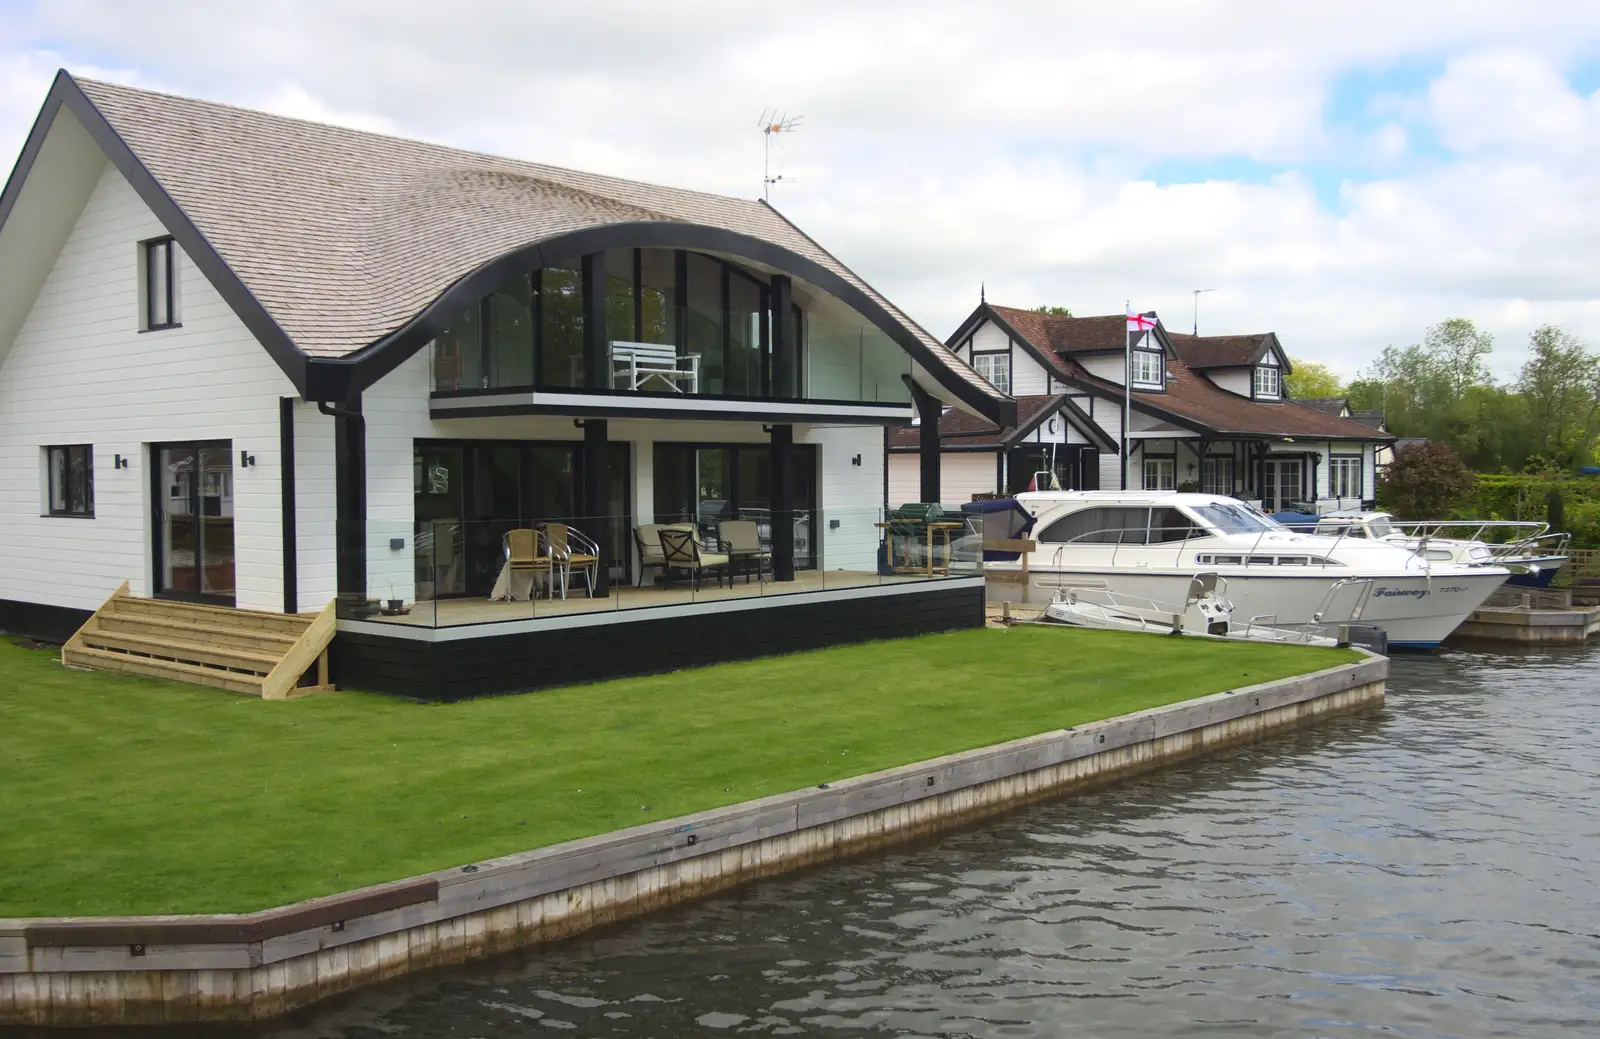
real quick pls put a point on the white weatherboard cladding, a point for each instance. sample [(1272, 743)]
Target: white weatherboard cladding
[(1106, 366), (1028, 376), (1234, 380), (79, 371), (961, 475), (397, 415)]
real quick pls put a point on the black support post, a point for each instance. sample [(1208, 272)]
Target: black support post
[(596, 499), (286, 487), (783, 345), (596, 343), (928, 410), (781, 470), (350, 507)]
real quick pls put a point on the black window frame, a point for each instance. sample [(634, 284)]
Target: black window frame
[(168, 251), (994, 353), (51, 452)]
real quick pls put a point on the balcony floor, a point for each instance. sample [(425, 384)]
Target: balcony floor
[(450, 612)]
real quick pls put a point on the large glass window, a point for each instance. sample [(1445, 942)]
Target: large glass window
[(160, 285), (1268, 383), (561, 327), (458, 354), (657, 296), (1160, 474), (745, 336), (706, 483), (705, 348), (510, 341)]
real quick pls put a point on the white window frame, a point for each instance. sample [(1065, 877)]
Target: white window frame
[(1209, 475), (995, 367), (1346, 476), (1166, 474), (1149, 368), (1268, 382)]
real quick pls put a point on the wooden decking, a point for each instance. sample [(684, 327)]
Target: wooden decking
[(448, 612), (271, 655)]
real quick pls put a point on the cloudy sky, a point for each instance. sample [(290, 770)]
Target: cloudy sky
[(1342, 174)]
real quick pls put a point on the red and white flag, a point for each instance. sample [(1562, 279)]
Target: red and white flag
[(1139, 322)]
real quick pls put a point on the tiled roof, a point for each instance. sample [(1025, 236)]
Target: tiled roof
[(1068, 335), (1220, 351), (957, 429), (343, 235), (1191, 397), (1372, 417), (1326, 405)]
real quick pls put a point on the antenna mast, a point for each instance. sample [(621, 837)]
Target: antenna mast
[(1197, 308), (773, 122)]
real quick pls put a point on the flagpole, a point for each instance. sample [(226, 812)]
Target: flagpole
[(1127, 393)]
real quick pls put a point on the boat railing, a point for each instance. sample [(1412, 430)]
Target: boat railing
[(1146, 539), (1342, 605)]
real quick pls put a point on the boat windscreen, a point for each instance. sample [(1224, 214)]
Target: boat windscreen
[(1234, 519), (1380, 526)]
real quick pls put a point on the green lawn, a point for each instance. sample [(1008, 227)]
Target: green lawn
[(127, 795)]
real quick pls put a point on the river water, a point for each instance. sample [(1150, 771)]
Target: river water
[(1428, 869)]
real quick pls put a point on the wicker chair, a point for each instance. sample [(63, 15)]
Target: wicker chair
[(523, 557)]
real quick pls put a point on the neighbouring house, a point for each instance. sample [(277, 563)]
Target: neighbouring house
[(266, 364), (1207, 412)]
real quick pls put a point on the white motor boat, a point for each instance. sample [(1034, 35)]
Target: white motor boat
[(1527, 549), (1150, 544), (1206, 613)]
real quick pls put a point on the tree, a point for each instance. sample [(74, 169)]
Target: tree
[(1440, 389), (1052, 310), (1308, 379), (1560, 383), (1425, 481)]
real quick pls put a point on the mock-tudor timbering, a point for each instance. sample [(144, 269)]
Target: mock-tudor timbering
[(265, 363), (1208, 413)]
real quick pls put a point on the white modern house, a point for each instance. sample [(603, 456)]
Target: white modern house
[(265, 364), (1206, 411)]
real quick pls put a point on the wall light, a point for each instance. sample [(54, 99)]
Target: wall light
[(246, 459), (856, 460), (119, 462)]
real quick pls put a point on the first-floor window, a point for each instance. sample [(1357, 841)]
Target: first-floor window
[(1344, 476), (1160, 474), (160, 285), (1147, 368), (996, 368), (70, 474), (1216, 476), (1268, 383)]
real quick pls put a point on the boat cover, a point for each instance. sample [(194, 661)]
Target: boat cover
[(999, 519)]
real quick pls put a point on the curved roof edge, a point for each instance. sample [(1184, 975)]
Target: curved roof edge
[(336, 378)]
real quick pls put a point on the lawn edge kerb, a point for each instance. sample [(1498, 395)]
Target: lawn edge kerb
[(852, 796)]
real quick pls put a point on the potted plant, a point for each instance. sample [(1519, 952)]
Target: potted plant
[(393, 607)]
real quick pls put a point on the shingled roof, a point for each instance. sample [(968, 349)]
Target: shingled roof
[(1191, 399), (344, 237), (1202, 352)]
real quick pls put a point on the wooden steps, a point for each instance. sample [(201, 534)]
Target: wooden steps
[(271, 655)]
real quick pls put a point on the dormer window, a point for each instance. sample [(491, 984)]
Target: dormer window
[(1269, 383), (996, 368), (1149, 369)]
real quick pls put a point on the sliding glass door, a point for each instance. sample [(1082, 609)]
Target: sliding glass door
[(707, 483), (469, 494), (192, 496)]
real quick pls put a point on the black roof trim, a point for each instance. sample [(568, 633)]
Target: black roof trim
[(338, 378), (65, 92)]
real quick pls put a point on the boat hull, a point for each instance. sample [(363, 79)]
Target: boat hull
[(1416, 611)]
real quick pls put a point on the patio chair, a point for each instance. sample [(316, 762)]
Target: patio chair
[(742, 540), (680, 551), (523, 557), (647, 539), (570, 548)]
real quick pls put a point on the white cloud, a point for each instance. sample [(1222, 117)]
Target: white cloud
[(948, 144)]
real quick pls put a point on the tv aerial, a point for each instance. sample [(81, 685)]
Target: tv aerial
[(773, 122)]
